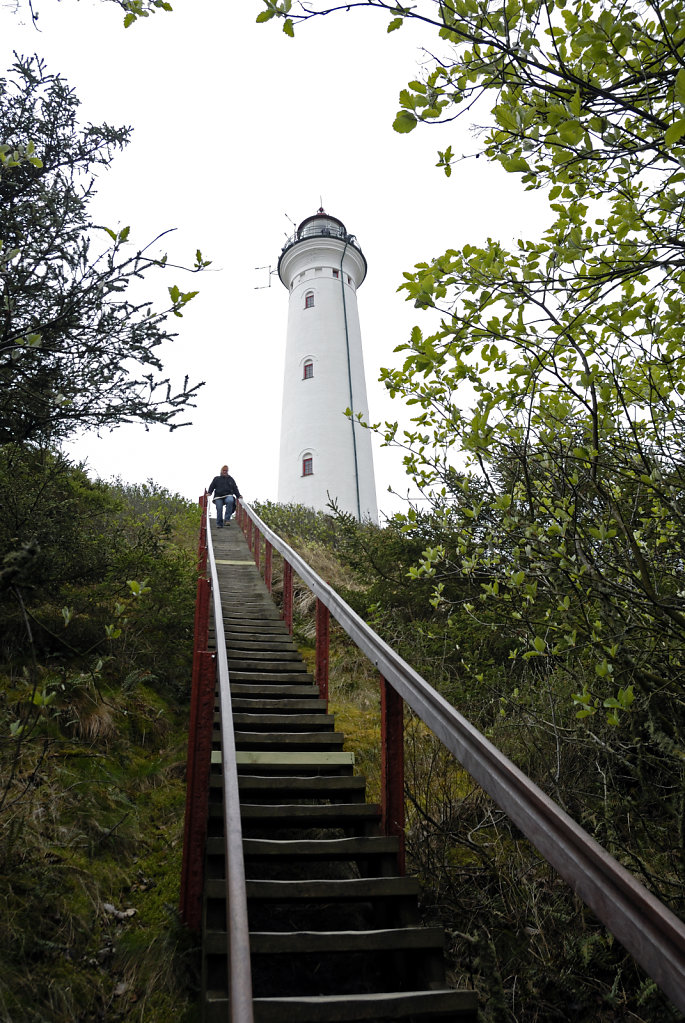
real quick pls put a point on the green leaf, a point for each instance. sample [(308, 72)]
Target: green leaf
[(129, 19), (288, 28), (571, 132), (680, 87), (138, 588), (265, 15), (404, 122), (675, 132), (395, 24), (515, 165)]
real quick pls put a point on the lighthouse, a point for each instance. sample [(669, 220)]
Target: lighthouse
[(325, 455)]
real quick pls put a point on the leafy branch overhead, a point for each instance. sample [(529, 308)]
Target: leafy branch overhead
[(552, 372), (133, 10), (75, 350)]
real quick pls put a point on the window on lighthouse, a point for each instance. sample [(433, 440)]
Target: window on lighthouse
[(307, 466), (308, 371), (309, 300)]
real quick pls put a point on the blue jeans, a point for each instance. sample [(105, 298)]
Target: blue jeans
[(226, 504)]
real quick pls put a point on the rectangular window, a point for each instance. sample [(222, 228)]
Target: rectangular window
[(336, 273), (308, 301), (308, 370), (307, 468)]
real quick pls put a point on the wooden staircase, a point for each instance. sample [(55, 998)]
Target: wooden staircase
[(334, 930)]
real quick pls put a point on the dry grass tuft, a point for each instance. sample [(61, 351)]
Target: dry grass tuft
[(97, 724)]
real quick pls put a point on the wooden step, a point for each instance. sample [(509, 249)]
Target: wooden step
[(277, 666), (288, 963), (270, 677), (235, 637), (373, 1008), (304, 942), (287, 706), (268, 628), (287, 740), (248, 640), (252, 654), (347, 788), (281, 691), (297, 815), (356, 889), (287, 758), (283, 722), (319, 848), (235, 616), (445, 1004), (317, 785), (345, 849)]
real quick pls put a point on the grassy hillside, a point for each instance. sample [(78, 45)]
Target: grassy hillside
[(96, 612)]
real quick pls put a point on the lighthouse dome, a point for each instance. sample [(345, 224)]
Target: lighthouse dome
[(321, 235), (321, 224)]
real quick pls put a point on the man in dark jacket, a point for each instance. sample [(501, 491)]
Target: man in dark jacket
[(225, 490)]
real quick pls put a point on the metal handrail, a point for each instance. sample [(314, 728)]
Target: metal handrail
[(237, 930), (653, 934)]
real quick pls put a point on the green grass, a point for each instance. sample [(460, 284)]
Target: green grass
[(90, 862)]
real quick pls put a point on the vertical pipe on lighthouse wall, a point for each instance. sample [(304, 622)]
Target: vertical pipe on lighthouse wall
[(353, 418)]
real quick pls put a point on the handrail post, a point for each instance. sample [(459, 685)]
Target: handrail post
[(200, 644), (202, 543), (288, 595), (197, 791), (392, 766), (322, 647), (257, 547), (268, 553), (198, 761), (249, 534), (201, 632)]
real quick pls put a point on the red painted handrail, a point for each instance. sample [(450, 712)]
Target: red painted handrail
[(392, 766), (322, 647), (199, 748), (268, 552), (653, 935), (288, 594)]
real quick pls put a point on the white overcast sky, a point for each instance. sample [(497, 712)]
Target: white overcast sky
[(236, 129)]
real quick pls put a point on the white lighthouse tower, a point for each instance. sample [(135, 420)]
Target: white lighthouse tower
[(324, 454)]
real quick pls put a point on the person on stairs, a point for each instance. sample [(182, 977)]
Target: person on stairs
[(225, 490)]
